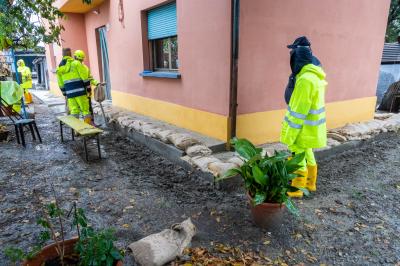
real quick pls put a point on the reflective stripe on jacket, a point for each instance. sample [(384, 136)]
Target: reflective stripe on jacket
[(72, 78), (305, 121)]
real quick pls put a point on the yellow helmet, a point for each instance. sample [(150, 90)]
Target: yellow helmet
[(20, 62), (79, 55)]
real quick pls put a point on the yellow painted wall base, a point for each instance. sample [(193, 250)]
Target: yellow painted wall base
[(263, 127), (209, 124)]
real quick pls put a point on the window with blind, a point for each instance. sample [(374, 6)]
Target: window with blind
[(162, 34)]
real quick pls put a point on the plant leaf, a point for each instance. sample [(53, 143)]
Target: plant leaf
[(305, 191), (116, 254), (294, 164), (292, 189), (245, 148), (292, 176), (259, 198), (291, 207), (258, 175), (228, 174)]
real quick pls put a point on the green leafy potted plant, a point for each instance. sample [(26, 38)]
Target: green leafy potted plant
[(90, 248), (267, 181)]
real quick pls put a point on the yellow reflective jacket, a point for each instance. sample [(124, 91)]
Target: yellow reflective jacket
[(305, 120), (73, 78), (26, 76)]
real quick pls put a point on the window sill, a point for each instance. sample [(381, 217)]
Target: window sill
[(160, 74)]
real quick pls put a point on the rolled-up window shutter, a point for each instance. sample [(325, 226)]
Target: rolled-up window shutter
[(161, 22)]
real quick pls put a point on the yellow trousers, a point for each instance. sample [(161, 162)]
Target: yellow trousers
[(79, 105), (309, 158)]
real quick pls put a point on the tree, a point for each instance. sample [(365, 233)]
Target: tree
[(26, 23), (393, 23)]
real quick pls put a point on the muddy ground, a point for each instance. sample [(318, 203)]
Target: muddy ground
[(353, 218)]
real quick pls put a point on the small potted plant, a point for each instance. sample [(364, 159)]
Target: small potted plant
[(89, 248), (3, 133), (267, 181)]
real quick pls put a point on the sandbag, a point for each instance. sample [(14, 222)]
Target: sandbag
[(336, 136), (332, 142), (203, 162), (236, 160), (383, 116), (137, 125), (182, 141), (220, 168), (161, 248), (149, 130), (99, 93), (393, 123), (163, 135), (124, 121), (198, 150), (272, 147), (359, 130)]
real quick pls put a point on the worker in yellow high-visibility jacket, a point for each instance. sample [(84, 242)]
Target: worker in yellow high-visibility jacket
[(26, 79), (72, 78), (304, 125), (89, 81)]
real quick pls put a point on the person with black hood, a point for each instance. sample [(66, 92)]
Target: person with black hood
[(299, 42), (304, 125)]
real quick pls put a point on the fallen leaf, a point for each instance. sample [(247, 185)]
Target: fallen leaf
[(311, 258), (125, 225), (267, 242), (297, 236), (310, 226)]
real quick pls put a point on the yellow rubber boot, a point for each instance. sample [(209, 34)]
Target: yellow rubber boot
[(88, 120), (312, 177), (28, 97), (299, 182)]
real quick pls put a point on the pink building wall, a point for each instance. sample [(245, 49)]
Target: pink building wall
[(347, 36), (74, 35), (203, 52)]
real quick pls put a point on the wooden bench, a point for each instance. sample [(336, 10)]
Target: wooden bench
[(81, 128)]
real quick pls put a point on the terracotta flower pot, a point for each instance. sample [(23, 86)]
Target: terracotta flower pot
[(49, 252), (267, 215)]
